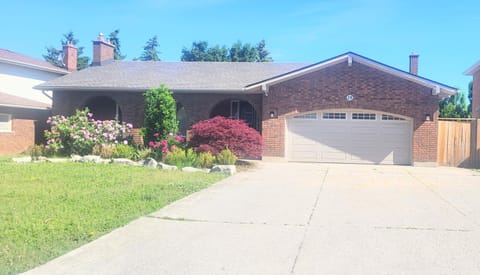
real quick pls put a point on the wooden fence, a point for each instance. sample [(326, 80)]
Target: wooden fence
[(459, 142)]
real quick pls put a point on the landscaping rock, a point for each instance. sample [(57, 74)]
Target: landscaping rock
[(225, 169), (191, 169), (57, 160), (150, 163), (123, 161), (91, 158), (164, 166), (76, 158), (42, 158), (22, 160)]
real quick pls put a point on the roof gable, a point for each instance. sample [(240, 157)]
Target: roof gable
[(7, 100), (10, 57), (349, 58), (473, 69)]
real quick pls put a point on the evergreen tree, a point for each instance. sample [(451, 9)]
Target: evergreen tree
[(55, 56), (454, 106), (263, 54), (238, 52), (150, 51), (113, 37)]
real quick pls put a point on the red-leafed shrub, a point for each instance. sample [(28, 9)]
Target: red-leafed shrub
[(215, 134)]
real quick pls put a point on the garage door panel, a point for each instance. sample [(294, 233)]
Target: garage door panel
[(347, 140)]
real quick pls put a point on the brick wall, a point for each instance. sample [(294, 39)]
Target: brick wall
[(23, 133), (372, 89)]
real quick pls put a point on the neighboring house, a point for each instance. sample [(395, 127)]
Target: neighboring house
[(475, 72), (348, 108), (23, 110)]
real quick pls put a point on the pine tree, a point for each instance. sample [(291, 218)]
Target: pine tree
[(113, 37), (150, 51)]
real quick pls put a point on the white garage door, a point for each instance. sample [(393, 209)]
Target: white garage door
[(349, 137)]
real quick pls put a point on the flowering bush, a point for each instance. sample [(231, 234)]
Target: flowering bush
[(79, 133), (162, 146), (215, 134)]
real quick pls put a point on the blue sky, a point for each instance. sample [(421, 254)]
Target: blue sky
[(443, 33)]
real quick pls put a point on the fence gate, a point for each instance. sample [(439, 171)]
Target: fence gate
[(459, 142)]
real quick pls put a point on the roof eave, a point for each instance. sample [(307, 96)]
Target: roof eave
[(32, 66), (473, 69), (140, 89), (25, 107)]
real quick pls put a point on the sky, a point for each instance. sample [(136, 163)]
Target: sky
[(444, 33)]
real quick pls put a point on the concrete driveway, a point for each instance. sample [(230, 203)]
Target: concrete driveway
[(296, 218)]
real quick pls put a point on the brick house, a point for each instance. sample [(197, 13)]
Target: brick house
[(23, 110), (348, 108)]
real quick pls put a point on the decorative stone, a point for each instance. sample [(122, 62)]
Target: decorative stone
[(76, 158), (150, 163), (91, 158), (42, 158), (57, 160), (225, 169), (191, 169), (22, 160), (123, 161), (164, 166)]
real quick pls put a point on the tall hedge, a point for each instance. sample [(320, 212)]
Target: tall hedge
[(160, 113)]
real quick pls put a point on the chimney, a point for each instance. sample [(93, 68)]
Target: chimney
[(70, 57), (414, 63), (102, 51)]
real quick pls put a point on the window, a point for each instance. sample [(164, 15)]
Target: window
[(334, 115), (5, 123), (363, 116), (390, 117), (306, 116)]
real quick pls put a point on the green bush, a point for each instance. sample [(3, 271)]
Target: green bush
[(103, 150), (143, 153), (36, 151), (205, 160), (181, 158), (123, 151), (160, 113), (226, 157)]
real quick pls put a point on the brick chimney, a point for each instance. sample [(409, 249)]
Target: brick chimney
[(414, 63), (102, 51), (70, 57)]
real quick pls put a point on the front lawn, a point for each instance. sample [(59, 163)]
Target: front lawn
[(48, 209)]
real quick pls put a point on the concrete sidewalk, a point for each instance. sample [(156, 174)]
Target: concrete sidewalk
[(295, 218)]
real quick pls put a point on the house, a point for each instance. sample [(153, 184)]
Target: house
[(23, 110), (348, 108), (475, 72)]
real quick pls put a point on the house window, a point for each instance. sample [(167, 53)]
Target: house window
[(334, 115), (390, 117), (235, 109), (306, 116), (5, 123), (364, 116)]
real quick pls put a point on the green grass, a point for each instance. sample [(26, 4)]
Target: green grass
[(48, 209)]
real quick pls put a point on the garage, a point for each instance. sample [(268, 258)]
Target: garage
[(349, 136)]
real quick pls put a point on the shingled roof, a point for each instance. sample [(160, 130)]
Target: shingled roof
[(11, 57), (178, 76), (7, 100)]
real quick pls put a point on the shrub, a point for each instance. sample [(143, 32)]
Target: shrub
[(162, 146), (226, 157), (79, 133), (160, 113), (181, 158), (215, 134), (36, 151), (103, 150), (205, 160), (123, 151), (143, 153)]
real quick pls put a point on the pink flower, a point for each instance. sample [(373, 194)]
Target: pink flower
[(151, 144), (164, 143), (179, 138), (156, 135), (172, 147), (165, 150), (90, 115)]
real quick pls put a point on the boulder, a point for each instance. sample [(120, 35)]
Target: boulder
[(164, 166), (123, 161), (22, 160), (91, 158), (57, 160), (225, 169), (191, 169), (150, 163), (76, 158)]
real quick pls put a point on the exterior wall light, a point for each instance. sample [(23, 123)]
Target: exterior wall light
[(428, 117), (272, 114)]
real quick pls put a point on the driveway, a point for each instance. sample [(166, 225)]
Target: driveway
[(300, 218)]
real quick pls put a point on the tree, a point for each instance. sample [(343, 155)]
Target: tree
[(470, 95), (150, 51), (160, 113), (113, 37), (238, 52), (54, 56), (263, 54), (454, 106)]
